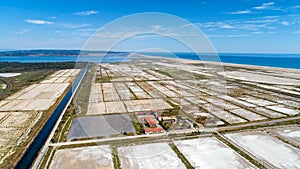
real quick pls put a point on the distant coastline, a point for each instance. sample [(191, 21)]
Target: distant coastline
[(31, 56)]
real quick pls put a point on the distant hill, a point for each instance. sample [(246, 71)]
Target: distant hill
[(42, 52)]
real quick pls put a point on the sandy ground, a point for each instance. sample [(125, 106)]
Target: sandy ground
[(284, 110), (291, 134), (230, 118), (254, 77), (149, 156), (12, 126), (19, 111), (17, 120), (266, 147), (257, 101), (39, 96), (269, 113), (147, 105), (96, 108), (210, 153), (95, 157), (248, 115)]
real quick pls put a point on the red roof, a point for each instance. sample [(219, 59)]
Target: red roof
[(139, 113), (148, 130), (150, 121)]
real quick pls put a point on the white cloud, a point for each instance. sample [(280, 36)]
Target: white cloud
[(38, 22), (259, 24), (268, 6), (148, 36), (52, 17), (84, 32), (297, 31), (87, 30), (255, 27), (241, 12), (271, 17), (156, 27), (75, 26), (238, 35), (295, 7), (152, 31), (226, 26), (218, 25), (215, 36), (258, 32), (263, 21), (285, 23), (23, 31), (85, 13), (264, 6), (229, 36)]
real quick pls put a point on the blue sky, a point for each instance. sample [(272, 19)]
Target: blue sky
[(258, 26)]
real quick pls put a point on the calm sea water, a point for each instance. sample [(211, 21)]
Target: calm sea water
[(273, 60)]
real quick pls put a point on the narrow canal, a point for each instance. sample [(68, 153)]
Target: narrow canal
[(33, 150)]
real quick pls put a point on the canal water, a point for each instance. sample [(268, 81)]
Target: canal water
[(33, 150)]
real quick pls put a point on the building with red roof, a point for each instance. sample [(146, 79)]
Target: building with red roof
[(149, 120), (154, 130)]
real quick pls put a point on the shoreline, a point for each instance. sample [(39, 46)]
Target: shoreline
[(186, 60), (190, 61)]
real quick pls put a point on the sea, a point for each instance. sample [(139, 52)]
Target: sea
[(272, 60)]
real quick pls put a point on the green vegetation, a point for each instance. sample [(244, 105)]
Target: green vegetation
[(201, 119), (103, 79), (194, 133), (181, 156), (116, 160), (128, 134), (163, 72), (138, 126), (61, 132), (16, 67), (165, 125), (173, 112), (47, 157), (88, 138)]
